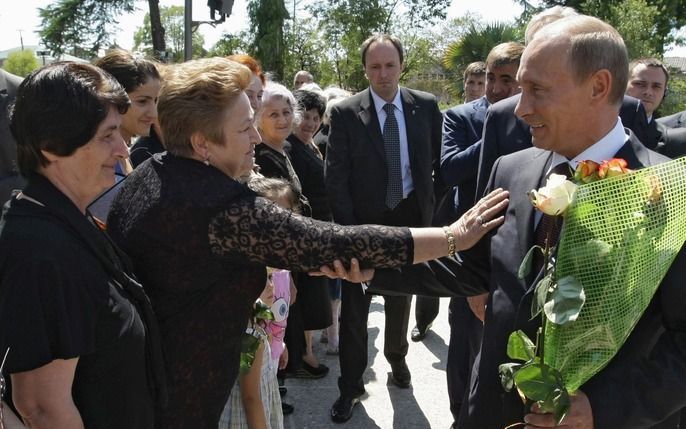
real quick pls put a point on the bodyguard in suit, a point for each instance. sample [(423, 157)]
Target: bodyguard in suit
[(573, 75), (462, 130), (9, 172), (381, 156)]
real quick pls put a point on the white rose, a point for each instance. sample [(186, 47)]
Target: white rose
[(554, 198)]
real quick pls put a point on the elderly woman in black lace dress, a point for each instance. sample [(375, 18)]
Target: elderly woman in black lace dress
[(200, 240)]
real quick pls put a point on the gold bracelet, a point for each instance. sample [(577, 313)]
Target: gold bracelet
[(451, 240)]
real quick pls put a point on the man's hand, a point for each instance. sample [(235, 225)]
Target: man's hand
[(580, 415), (478, 305), (354, 275)]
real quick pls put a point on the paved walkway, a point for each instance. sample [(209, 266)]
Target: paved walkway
[(422, 406)]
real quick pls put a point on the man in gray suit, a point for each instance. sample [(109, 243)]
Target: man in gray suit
[(9, 173), (382, 155)]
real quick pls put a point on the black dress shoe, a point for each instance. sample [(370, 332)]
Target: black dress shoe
[(287, 409), (401, 376), (342, 409), (418, 333)]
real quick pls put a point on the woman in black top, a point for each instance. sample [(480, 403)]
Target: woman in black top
[(200, 240), (74, 322)]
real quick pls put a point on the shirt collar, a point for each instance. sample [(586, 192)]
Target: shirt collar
[(602, 150), (380, 102)]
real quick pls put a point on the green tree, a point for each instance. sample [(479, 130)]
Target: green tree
[(267, 24), (667, 16), (475, 45), (81, 26), (172, 19), (21, 63), (230, 44), (675, 101), (305, 50), (345, 24)]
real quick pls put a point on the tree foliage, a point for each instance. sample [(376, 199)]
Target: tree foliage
[(474, 45), (21, 63), (267, 24), (345, 24), (666, 16), (172, 19), (79, 26), (230, 44), (83, 27)]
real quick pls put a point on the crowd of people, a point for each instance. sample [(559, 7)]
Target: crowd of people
[(246, 221)]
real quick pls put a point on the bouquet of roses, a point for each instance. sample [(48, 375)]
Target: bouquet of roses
[(622, 230)]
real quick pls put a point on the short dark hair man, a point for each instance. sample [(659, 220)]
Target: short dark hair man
[(462, 128), (474, 81), (382, 152)]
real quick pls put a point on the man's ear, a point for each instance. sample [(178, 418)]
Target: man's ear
[(601, 85), (200, 145), (51, 157)]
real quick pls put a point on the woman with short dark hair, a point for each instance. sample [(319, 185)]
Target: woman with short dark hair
[(74, 320)]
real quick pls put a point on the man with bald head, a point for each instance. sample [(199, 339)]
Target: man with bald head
[(573, 75)]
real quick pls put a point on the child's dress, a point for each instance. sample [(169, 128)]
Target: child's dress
[(233, 416)]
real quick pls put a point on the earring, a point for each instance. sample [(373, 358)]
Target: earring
[(207, 160)]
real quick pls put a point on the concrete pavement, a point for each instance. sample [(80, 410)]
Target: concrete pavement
[(424, 405)]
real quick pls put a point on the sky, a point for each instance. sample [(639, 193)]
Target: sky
[(21, 20)]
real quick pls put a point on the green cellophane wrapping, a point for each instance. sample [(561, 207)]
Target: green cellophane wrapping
[(620, 237)]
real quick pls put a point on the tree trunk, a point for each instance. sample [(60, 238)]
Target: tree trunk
[(156, 29)]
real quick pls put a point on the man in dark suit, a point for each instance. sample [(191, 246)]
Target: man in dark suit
[(381, 156), (462, 130), (570, 101), (9, 173)]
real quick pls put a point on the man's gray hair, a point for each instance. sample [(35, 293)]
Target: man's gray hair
[(545, 17)]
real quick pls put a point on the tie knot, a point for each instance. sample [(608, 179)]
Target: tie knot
[(563, 169), (388, 108)]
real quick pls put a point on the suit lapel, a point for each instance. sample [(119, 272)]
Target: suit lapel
[(370, 121), (410, 111), (634, 152), (532, 177)]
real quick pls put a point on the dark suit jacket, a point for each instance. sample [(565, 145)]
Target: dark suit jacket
[(505, 133), (9, 171), (677, 120), (310, 170), (643, 384), (462, 129), (355, 172), (672, 141)]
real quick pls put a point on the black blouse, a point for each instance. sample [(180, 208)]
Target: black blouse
[(310, 170), (200, 242), (58, 302)]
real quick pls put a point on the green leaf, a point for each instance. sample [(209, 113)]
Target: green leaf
[(561, 404), (540, 295), (565, 301), (538, 381), (520, 347), (507, 372), (525, 266)]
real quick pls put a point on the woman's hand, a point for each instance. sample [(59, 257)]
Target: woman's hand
[(354, 275), (480, 219)]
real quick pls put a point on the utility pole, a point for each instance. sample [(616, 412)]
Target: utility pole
[(21, 39), (188, 30)]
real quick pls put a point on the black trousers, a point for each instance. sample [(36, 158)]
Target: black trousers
[(466, 331), (425, 310), (355, 312)]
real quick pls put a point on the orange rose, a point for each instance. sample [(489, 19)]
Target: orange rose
[(586, 171), (612, 168)]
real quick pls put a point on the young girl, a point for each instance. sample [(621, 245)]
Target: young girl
[(255, 402)]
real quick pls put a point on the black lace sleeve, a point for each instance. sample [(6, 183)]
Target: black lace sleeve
[(256, 230)]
